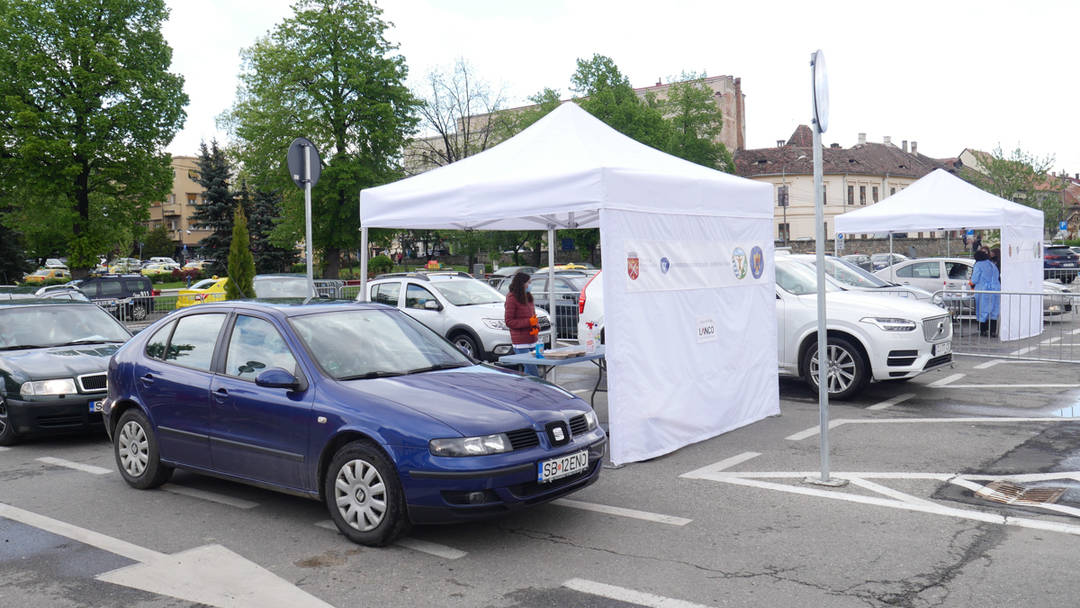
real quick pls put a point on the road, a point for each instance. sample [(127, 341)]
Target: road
[(725, 522)]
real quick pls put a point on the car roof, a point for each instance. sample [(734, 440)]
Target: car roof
[(288, 307), (18, 299)]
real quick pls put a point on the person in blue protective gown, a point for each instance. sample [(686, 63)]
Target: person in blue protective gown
[(985, 277)]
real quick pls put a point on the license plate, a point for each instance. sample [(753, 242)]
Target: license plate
[(563, 466), (1069, 264), (943, 348), (95, 406)]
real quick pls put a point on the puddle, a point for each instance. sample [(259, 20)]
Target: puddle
[(1073, 411)]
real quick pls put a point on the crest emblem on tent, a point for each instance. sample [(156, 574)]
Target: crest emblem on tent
[(633, 265), (757, 262), (738, 263)]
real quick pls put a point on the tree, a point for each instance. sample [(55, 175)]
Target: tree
[(461, 114), (241, 262), (1021, 177), (12, 257), (86, 106), (606, 94), (216, 209), (328, 73), (265, 210), (696, 121), (158, 244)]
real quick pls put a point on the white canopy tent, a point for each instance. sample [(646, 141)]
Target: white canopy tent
[(690, 326), (941, 201)]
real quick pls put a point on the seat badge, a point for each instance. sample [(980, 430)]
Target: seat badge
[(321, 420), (557, 434)]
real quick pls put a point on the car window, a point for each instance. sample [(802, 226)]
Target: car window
[(958, 270), (926, 270), (137, 285), (256, 345), (415, 296), (386, 293), (155, 346), (204, 284), (192, 343), (538, 286), (798, 279), (109, 289), (850, 274), (466, 292)]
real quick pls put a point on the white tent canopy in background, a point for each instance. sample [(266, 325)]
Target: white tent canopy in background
[(942, 201), (668, 387)]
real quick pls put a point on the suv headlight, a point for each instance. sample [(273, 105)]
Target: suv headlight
[(890, 323), (496, 324), (590, 417), (470, 446), (60, 386)]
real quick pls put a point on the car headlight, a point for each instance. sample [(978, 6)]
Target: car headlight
[(890, 323), (60, 386), (496, 324), (590, 417), (470, 446)]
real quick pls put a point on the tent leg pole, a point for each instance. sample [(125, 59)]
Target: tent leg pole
[(363, 264), (551, 286), (892, 273)]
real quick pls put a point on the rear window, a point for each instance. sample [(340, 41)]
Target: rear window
[(1059, 251)]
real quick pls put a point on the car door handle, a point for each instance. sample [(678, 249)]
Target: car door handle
[(147, 379), (221, 395)]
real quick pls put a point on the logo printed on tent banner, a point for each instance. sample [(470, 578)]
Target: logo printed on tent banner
[(633, 265), (738, 263), (757, 262), (675, 265)]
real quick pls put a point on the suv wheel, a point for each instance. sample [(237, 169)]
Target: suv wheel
[(847, 373), (466, 344), (138, 312), (7, 429)]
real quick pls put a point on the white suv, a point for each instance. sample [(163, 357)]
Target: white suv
[(466, 311), (870, 337)]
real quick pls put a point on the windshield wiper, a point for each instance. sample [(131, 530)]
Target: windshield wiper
[(369, 375), (90, 341), (22, 347), (438, 367)]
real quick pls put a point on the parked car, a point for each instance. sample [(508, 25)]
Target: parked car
[(168, 262), (859, 259), (65, 291), (870, 337), (47, 274), (1060, 262), (153, 269), (56, 263), (852, 277), (508, 272), (356, 405), (884, 260), (125, 265), (281, 286), (206, 290), (196, 264), (129, 297), (464, 310), (53, 359)]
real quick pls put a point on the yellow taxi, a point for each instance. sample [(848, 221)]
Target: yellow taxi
[(48, 274), (206, 290), (153, 270)]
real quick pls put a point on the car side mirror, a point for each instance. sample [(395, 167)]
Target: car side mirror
[(432, 305), (275, 377)]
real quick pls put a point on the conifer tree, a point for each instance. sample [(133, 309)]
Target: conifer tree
[(241, 263), (266, 210), (215, 211)]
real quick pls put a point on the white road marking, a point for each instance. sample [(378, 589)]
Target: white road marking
[(886, 491), (1050, 340), (837, 422), (891, 402), (210, 575), (78, 466), (431, 548), (239, 503), (810, 432), (723, 464), (622, 512), (622, 594), (947, 380), (327, 524), (975, 487), (4, 449), (989, 364), (1010, 386)]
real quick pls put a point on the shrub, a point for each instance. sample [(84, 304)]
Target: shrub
[(380, 264)]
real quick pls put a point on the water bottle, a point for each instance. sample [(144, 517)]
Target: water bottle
[(539, 351)]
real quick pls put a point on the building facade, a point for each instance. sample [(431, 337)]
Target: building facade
[(853, 178), (175, 213)]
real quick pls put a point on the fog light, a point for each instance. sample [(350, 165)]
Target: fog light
[(476, 498), (502, 350)]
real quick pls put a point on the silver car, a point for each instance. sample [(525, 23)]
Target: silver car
[(854, 278), (466, 311)]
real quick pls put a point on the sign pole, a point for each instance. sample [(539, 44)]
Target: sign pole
[(307, 220), (305, 167)]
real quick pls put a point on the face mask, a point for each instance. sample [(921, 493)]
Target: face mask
[(528, 289)]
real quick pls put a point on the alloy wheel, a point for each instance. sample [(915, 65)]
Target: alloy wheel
[(3, 418), (840, 373), (133, 448), (360, 495)]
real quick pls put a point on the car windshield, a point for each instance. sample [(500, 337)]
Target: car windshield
[(850, 274), (40, 326), (799, 279), (281, 287), (204, 284), (465, 292), (356, 344)]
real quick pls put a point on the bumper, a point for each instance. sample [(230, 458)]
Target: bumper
[(70, 414), (501, 345), (451, 496), (907, 356)]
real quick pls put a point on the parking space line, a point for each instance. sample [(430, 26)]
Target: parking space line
[(430, 548), (947, 380), (4, 449), (886, 491), (83, 535), (78, 466), (810, 432), (989, 364), (622, 512), (1009, 386), (1050, 340), (622, 594), (836, 422), (975, 487), (720, 466), (891, 402), (221, 499), (1075, 332)]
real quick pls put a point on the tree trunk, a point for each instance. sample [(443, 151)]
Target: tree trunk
[(536, 252), (333, 263)]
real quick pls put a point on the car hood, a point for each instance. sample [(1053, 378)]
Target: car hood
[(476, 401), (57, 362), (496, 310), (861, 303)]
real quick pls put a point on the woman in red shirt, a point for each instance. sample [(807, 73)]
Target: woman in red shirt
[(520, 317)]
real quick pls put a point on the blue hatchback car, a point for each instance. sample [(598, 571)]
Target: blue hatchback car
[(354, 404)]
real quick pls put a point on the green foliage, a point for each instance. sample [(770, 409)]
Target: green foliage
[(380, 264), (86, 105), (12, 257), (215, 211), (158, 244), (241, 262), (265, 213), (329, 74), (1021, 177), (607, 95), (696, 121)]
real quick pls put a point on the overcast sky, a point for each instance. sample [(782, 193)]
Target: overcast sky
[(950, 75)]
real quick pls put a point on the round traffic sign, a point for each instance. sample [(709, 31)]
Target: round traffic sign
[(295, 160)]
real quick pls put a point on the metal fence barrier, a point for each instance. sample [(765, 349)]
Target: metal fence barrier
[(1060, 324)]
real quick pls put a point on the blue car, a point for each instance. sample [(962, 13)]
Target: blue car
[(354, 404)]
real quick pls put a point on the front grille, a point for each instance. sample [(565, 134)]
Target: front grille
[(902, 358), (92, 383), (557, 433), (937, 328), (545, 324), (578, 425), (523, 438), (938, 361), (59, 422)]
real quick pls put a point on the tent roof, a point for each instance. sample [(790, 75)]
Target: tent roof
[(560, 171), (939, 201)]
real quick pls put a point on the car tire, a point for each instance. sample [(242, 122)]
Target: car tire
[(852, 370), (1068, 279), (8, 436), (466, 344), (136, 449), (364, 496), (138, 312)]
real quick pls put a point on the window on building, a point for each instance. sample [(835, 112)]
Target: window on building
[(191, 198), (782, 196), (172, 198), (892, 191), (862, 195), (875, 194), (824, 194), (851, 195), (172, 225), (783, 232), (826, 229)]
